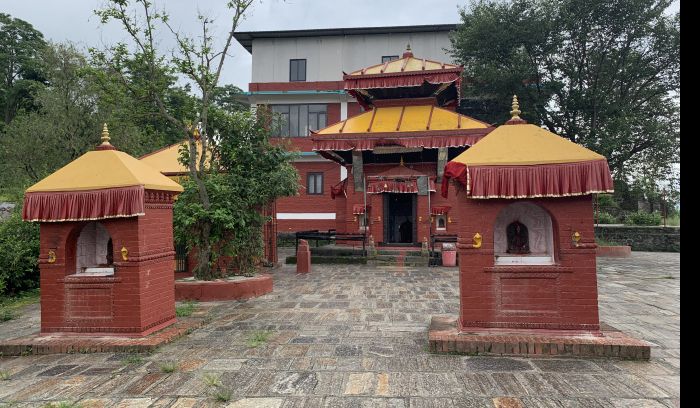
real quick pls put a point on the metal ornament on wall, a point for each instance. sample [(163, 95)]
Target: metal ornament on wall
[(52, 256), (125, 254)]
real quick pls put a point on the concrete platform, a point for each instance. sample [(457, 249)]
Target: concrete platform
[(444, 337)]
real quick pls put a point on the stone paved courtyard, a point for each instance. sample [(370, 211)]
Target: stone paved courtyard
[(350, 336)]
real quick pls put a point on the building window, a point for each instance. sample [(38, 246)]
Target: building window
[(441, 222), (387, 58), (298, 120), (314, 183), (297, 70)]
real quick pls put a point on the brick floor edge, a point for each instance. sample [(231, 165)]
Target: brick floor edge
[(614, 251), (444, 337), (82, 344), (206, 291)]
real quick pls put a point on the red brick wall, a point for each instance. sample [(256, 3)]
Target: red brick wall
[(561, 297), (354, 109), (139, 298), (307, 203)]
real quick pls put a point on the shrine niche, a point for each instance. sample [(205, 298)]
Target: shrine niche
[(106, 245), (523, 235)]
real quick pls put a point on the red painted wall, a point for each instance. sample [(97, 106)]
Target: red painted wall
[(543, 297), (307, 203), (138, 299)]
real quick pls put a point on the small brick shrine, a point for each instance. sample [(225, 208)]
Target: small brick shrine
[(527, 251), (106, 250)]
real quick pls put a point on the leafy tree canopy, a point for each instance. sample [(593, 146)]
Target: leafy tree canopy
[(603, 73)]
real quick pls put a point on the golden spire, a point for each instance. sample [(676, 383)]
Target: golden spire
[(408, 47), (401, 163), (515, 113), (105, 135)]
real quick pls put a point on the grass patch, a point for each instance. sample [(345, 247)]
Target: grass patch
[(258, 338), (185, 309), (674, 220), (63, 404), (10, 306), (168, 367), (132, 359), (211, 380), (222, 395), (4, 375)]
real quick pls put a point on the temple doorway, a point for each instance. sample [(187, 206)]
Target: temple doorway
[(400, 218)]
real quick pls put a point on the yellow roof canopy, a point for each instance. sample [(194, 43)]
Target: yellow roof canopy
[(102, 169), (408, 63), (403, 119), (524, 144)]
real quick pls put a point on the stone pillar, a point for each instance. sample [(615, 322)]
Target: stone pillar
[(303, 257)]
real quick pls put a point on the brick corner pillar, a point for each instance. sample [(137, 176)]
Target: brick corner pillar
[(303, 257)]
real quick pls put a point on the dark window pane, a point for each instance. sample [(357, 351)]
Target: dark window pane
[(387, 58), (297, 70), (321, 120), (319, 184), (294, 120)]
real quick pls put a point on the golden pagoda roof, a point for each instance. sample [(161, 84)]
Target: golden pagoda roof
[(102, 169), (524, 144), (166, 160), (407, 118), (407, 64)]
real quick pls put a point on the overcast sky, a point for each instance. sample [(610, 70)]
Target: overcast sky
[(74, 20)]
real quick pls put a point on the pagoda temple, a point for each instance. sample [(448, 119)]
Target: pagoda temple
[(397, 149)]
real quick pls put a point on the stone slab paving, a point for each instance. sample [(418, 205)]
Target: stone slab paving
[(356, 336)]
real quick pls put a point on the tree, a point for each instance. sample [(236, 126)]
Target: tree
[(146, 73), (20, 65), (602, 73), (253, 174), (65, 123)]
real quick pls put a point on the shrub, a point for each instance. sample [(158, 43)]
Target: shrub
[(19, 253), (643, 218), (606, 218)]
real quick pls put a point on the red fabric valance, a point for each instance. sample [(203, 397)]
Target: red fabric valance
[(363, 142), (358, 209), (339, 189), (545, 180), (401, 79), (395, 186), (440, 210), (84, 205)]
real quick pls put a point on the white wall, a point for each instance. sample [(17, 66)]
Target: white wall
[(327, 57)]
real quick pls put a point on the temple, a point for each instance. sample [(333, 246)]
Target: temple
[(396, 150)]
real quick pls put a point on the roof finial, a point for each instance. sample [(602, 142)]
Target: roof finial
[(401, 163), (515, 113), (105, 135), (408, 53)]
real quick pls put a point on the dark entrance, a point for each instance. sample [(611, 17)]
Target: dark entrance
[(399, 218)]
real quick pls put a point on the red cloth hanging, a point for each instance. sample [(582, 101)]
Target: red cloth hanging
[(440, 210), (84, 205), (358, 209), (544, 180)]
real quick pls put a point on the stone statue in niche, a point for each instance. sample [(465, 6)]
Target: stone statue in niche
[(518, 240)]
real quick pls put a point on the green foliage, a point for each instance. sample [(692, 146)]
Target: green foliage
[(253, 174), (605, 74), (19, 252), (169, 367), (606, 218), (222, 395), (605, 242), (21, 66), (674, 220), (186, 309), (132, 359), (643, 218), (211, 380), (258, 338), (10, 305), (4, 375)]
